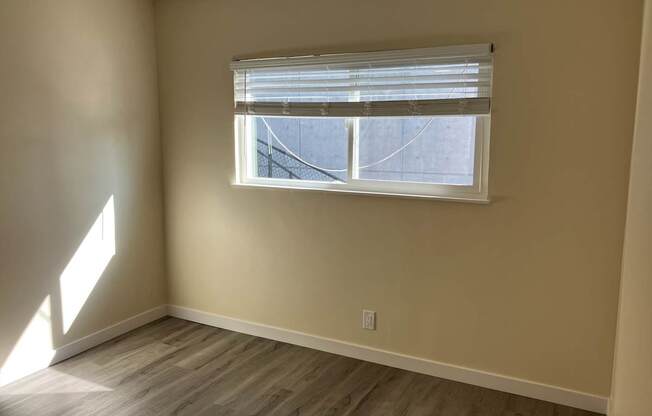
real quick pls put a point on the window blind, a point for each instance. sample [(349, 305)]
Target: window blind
[(431, 81)]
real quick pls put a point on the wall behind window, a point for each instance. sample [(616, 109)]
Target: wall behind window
[(526, 286), (78, 125)]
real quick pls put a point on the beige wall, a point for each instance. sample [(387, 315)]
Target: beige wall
[(78, 123), (526, 286), (632, 384)]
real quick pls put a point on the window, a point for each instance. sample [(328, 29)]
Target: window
[(412, 122)]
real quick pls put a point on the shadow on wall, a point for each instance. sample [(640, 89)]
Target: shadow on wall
[(34, 348)]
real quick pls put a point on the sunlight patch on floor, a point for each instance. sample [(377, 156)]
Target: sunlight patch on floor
[(57, 382)]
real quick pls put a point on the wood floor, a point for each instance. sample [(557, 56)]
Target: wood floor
[(176, 367)]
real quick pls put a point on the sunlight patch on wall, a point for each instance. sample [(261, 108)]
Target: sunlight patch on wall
[(34, 350), (87, 265)]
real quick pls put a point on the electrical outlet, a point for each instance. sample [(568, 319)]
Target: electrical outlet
[(369, 320)]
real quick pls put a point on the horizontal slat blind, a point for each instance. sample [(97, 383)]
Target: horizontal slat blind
[(434, 81)]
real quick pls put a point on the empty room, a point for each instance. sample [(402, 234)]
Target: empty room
[(307, 208)]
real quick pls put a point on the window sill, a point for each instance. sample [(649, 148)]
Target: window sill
[(473, 199)]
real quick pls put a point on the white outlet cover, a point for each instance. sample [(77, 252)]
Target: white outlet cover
[(368, 319)]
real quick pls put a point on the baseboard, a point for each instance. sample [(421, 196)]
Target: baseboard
[(493, 381), (96, 338)]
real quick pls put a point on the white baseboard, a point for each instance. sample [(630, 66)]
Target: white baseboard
[(480, 378), (96, 338)]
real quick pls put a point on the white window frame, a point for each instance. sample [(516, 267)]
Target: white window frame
[(245, 155), (245, 175)]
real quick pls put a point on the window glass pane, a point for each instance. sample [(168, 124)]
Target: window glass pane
[(299, 148), (436, 150)]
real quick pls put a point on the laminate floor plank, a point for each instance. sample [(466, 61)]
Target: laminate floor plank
[(179, 368)]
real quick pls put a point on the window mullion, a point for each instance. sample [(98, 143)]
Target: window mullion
[(352, 126), (352, 164)]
